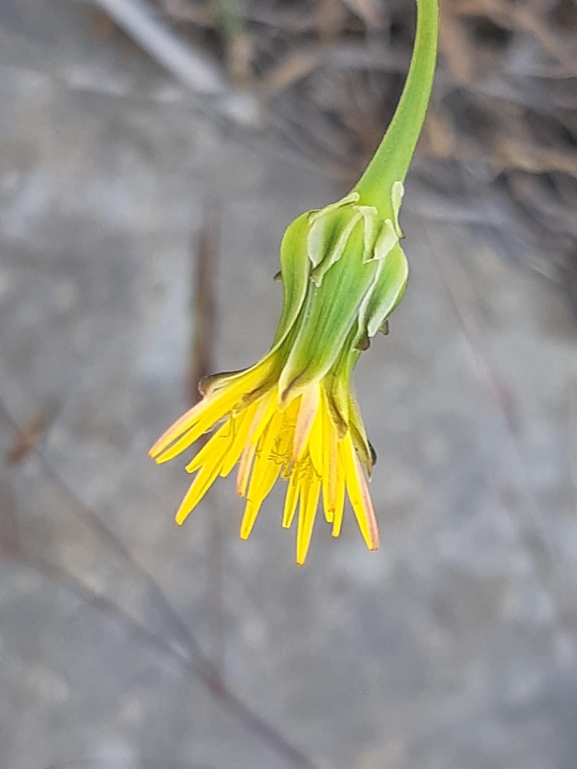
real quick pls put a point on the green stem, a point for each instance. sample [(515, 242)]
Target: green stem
[(393, 156)]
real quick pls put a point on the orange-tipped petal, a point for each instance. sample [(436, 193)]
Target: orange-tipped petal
[(309, 406), (194, 423), (186, 421), (210, 410), (315, 442), (359, 495)]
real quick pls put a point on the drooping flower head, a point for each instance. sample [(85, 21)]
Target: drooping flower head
[(294, 413)]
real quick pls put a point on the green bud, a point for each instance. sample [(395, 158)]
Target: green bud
[(343, 272)]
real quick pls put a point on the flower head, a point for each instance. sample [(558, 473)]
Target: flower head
[(294, 413)]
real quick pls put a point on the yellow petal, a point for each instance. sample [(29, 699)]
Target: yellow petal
[(265, 412), (199, 487), (241, 426), (267, 448), (284, 447), (228, 391), (245, 380), (308, 509), (290, 505), (265, 472), (262, 417), (330, 466), (181, 425), (359, 495), (190, 436), (219, 443), (308, 410), (263, 479), (340, 491), (194, 423), (316, 440), (244, 468)]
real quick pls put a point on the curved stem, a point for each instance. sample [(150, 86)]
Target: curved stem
[(393, 156)]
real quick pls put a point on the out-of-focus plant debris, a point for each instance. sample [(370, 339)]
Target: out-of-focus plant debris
[(499, 149)]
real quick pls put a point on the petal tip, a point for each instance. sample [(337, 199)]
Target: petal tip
[(154, 450)]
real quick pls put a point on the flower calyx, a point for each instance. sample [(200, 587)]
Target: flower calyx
[(343, 273), (331, 229)]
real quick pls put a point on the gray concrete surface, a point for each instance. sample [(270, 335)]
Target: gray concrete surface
[(453, 647)]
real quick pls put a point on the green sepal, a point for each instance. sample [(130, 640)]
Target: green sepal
[(332, 228), (328, 239), (385, 242), (356, 280), (397, 192), (320, 213), (331, 316), (386, 293), (343, 406), (372, 225), (295, 272), (358, 433), (337, 387)]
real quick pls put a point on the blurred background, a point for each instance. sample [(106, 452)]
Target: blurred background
[(151, 157)]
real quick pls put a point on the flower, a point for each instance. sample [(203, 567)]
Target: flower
[(294, 413), (300, 443)]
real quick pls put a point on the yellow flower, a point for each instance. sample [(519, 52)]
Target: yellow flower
[(297, 440), (294, 414)]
